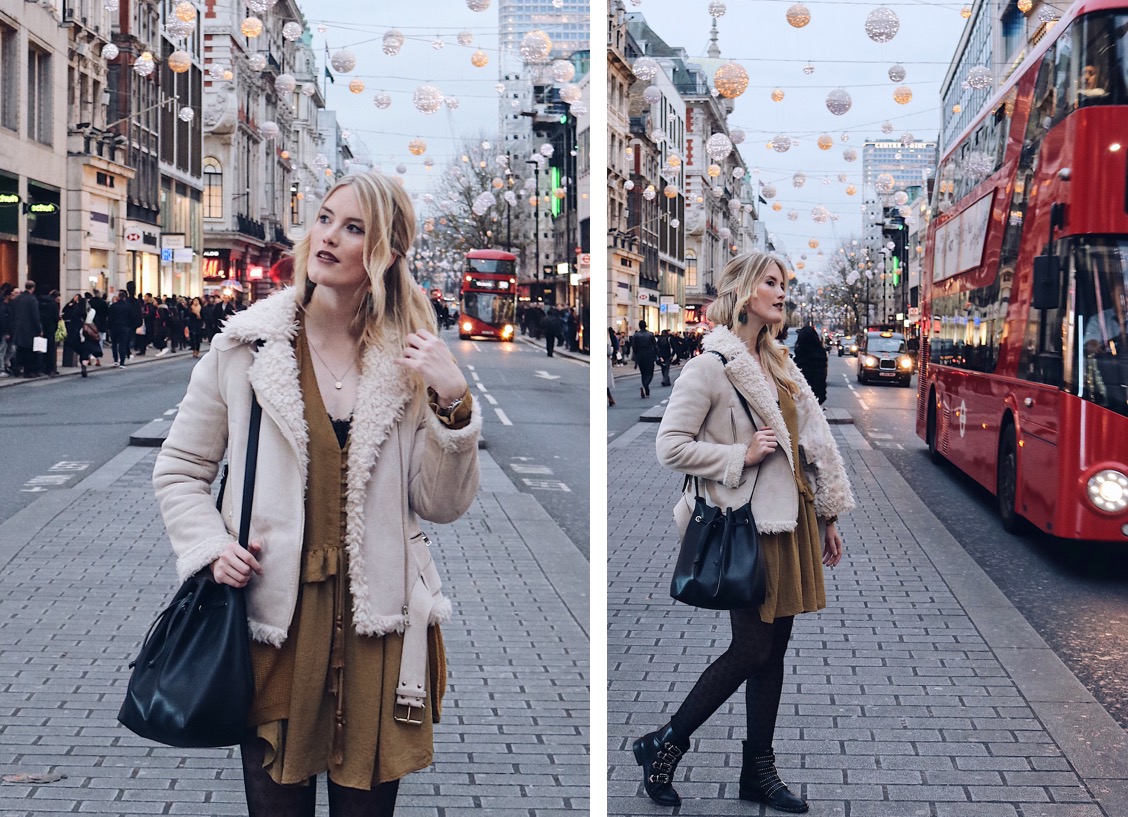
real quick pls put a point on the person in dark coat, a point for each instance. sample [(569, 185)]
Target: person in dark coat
[(196, 325), (665, 355), (552, 328), (122, 316), (49, 309), (7, 347), (644, 350), (810, 357), (26, 327), (101, 309)]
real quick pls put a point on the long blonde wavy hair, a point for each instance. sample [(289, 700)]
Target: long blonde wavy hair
[(395, 305), (740, 279)]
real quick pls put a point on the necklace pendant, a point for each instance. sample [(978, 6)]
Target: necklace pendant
[(338, 384)]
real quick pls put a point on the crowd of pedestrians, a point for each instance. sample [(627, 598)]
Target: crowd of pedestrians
[(552, 325), (34, 326)]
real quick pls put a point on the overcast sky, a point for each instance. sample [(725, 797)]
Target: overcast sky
[(774, 53)]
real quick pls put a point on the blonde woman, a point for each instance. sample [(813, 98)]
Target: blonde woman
[(367, 427), (788, 465)]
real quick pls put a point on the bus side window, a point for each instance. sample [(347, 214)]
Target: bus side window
[(1042, 360)]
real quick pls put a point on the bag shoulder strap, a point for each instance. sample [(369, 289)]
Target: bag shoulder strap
[(249, 474)]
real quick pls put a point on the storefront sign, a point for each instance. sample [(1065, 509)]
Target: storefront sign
[(9, 199), (141, 237), (41, 209)]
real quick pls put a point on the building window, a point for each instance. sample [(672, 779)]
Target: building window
[(690, 268), (40, 121), (9, 79), (213, 189)]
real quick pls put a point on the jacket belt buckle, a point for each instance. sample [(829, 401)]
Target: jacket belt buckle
[(409, 717)]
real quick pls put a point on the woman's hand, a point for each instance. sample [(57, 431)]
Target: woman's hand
[(832, 546), (236, 564), (763, 443), (429, 357)]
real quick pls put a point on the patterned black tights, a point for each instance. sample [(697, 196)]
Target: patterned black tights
[(265, 798), (756, 656)]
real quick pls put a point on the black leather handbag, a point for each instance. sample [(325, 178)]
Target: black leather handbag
[(720, 565), (192, 684)]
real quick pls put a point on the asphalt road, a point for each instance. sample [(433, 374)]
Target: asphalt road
[(536, 424), (1075, 594)]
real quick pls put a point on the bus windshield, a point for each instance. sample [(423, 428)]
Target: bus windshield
[(491, 265), (1100, 307), (1099, 73), (495, 310)]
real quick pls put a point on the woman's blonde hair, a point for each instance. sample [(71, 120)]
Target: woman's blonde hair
[(740, 279), (395, 305)]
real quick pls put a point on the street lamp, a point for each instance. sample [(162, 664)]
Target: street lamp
[(537, 224)]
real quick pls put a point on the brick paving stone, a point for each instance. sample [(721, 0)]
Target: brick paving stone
[(76, 601), (894, 705)]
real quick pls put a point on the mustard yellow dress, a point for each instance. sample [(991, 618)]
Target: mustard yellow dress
[(793, 560), (324, 700)]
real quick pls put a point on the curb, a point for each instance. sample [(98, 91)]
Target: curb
[(96, 371), (563, 351)]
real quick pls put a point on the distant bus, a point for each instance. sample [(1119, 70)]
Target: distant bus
[(488, 296), (1024, 288)]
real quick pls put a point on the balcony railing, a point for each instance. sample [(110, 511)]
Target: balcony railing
[(248, 226)]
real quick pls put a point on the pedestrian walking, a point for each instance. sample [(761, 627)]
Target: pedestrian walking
[(7, 347), (122, 322), (665, 355), (552, 328), (195, 325), (644, 350), (367, 427), (49, 315), (610, 374), (782, 458), (810, 357), (26, 327)]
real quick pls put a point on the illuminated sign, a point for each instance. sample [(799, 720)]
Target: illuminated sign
[(554, 178), (42, 209), (9, 198), (254, 273)]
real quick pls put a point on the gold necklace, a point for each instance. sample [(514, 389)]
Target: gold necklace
[(337, 380)]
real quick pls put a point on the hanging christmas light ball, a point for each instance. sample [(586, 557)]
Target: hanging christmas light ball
[(649, 193), (809, 68), (980, 77), (717, 9), (416, 147), (798, 180), (884, 183), (675, 223), (144, 65), (798, 15), (671, 191), (902, 94), (536, 46), (111, 6), (734, 206), (628, 185), (186, 114), (356, 86), (736, 136), (813, 243), (965, 12), (251, 27), (546, 150), (900, 198), (851, 190), (292, 31), (674, 160), (850, 155), (343, 61), (713, 170), (768, 191), (285, 84), (646, 68), (393, 42), (886, 127), (497, 183), (777, 95), (269, 129), (781, 143), (322, 28), (897, 73), (179, 29), (792, 215), (427, 99), (882, 24), (825, 141), (382, 100), (437, 43), (185, 11), (477, 5), (261, 6), (1025, 5), (571, 93), (731, 80), (842, 178), (228, 75), (110, 52), (838, 101), (776, 206), (652, 94), (579, 109), (718, 147), (563, 71), (907, 138), (257, 62), (820, 214), (479, 59), (738, 173), (1048, 14), (465, 38), (482, 204)]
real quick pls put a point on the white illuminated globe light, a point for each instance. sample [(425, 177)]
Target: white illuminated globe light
[(886, 127), (838, 101), (536, 46), (292, 31), (885, 183), (477, 5), (257, 62), (900, 198), (427, 99), (798, 180), (465, 38), (907, 138), (850, 155), (144, 66), (897, 73), (736, 136), (393, 42), (646, 68), (980, 77), (186, 114), (110, 52), (768, 191), (563, 71), (717, 9), (343, 61), (738, 173), (718, 147), (269, 129), (882, 24), (652, 94), (781, 143), (382, 100), (285, 84)]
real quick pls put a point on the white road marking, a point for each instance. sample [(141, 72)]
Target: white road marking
[(490, 399), (547, 485), (475, 375), (505, 421), (875, 435), (531, 469), (49, 480), (470, 368), (546, 376), (69, 466), (481, 386), (170, 411)]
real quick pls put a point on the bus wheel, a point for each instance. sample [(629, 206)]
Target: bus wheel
[(1006, 482), (933, 447)]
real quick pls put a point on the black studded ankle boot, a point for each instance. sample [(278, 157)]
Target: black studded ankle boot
[(658, 754), (759, 782)]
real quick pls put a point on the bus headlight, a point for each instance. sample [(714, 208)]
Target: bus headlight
[(905, 362), (869, 361), (506, 331), (467, 326), (1108, 491)]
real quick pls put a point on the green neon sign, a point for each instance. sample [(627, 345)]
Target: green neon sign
[(554, 181)]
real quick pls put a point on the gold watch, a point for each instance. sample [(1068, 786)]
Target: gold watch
[(448, 411)]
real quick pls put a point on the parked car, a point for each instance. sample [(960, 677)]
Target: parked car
[(884, 357)]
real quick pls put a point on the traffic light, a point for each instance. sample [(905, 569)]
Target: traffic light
[(563, 119)]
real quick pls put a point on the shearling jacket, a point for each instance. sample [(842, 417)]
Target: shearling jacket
[(403, 464), (705, 432)]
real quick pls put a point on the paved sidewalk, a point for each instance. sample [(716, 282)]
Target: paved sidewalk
[(919, 692), (86, 569)]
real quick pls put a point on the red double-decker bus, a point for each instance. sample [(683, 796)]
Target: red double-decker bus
[(1024, 376), (488, 299)]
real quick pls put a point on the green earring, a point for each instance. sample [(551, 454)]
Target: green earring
[(742, 317)]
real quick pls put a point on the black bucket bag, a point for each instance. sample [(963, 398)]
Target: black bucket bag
[(721, 564), (192, 683)]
